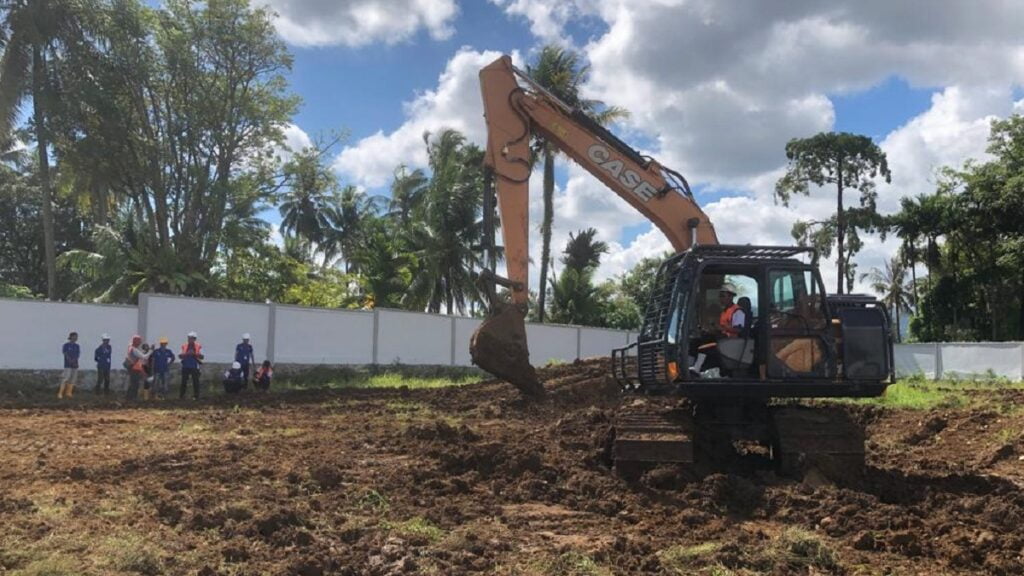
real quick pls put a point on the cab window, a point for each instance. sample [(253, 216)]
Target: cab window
[(796, 296)]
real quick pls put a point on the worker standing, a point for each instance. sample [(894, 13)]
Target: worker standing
[(71, 351), (135, 362), (163, 357), (191, 359), (102, 357), (244, 357)]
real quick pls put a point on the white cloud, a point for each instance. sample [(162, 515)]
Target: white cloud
[(719, 87), (547, 19), (361, 22), (295, 140), (454, 103)]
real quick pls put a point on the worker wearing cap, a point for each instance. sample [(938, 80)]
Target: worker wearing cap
[(71, 351), (732, 318), (244, 357), (163, 357), (191, 359), (102, 356)]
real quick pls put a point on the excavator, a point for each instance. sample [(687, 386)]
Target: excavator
[(740, 382)]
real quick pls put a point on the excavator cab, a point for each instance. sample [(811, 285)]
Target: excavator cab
[(793, 341)]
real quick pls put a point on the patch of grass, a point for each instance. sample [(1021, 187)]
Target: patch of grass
[(572, 564), (194, 429), (1008, 436), (683, 560), (799, 550), (921, 393), (412, 377), (415, 527), (54, 565), (129, 553)]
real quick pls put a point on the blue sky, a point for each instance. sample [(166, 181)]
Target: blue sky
[(715, 87)]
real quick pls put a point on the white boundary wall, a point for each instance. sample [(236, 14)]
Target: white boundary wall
[(32, 332)]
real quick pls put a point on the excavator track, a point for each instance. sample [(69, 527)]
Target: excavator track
[(823, 442), (646, 432)]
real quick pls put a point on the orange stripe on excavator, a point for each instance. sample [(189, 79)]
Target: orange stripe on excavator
[(513, 114)]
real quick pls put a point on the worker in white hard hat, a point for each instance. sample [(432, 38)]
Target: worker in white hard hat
[(732, 318), (244, 356), (191, 359), (233, 379)]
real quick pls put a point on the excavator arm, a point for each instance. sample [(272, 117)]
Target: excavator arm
[(515, 109)]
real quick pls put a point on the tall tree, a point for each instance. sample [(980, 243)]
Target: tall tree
[(38, 33), (847, 161), (355, 210), (583, 250), (308, 204), (181, 101), (891, 284), (560, 71), (446, 237), (574, 297)]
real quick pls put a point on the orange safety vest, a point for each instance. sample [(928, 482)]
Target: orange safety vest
[(725, 321), (197, 348), (137, 364)]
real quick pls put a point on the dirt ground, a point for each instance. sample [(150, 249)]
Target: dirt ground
[(475, 480)]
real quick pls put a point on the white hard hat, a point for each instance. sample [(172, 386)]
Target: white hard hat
[(728, 287), (193, 334), (236, 365), (105, 337), (245, 336)]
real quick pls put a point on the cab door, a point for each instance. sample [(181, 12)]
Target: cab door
[(799, 344)]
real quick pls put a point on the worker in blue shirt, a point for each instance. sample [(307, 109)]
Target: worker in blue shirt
[(163, 357), (102, 358), (71, 351), (244, 357)]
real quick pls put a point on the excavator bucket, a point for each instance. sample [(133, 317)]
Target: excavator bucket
[(499, 347)]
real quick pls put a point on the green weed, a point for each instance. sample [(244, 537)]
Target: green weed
[(799, 550), (683, 560), (375, 501), (415, 527), (572, 564)]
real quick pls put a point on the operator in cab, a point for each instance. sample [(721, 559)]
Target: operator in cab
[(733, 317)]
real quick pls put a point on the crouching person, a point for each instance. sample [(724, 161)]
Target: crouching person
[(263, 376), (234, 379)]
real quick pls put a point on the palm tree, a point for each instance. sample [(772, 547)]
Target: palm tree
[(575, 299), (37, 31), (891, 284), (307, 207), (583, 251), (354, 209), (446, 237), (407, 192), (560, 72)]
